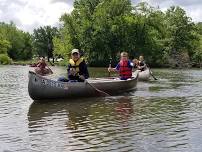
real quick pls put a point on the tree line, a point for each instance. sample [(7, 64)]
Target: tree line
[(104, 28)]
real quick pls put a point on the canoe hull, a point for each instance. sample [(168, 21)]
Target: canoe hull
[(41, 88), (144, 75)]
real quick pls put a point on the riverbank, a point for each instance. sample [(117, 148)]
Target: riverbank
[(65, 63), (23, 63), (30, 62)]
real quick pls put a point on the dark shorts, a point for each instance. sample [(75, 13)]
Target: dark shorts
[(63, 79), (122, 78), (76, 79)]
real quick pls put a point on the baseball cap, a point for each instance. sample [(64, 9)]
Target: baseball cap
[(75, 51)]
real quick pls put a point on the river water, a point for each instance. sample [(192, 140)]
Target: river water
[(160, 116)]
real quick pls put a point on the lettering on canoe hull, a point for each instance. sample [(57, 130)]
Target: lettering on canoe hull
[(54, 84)]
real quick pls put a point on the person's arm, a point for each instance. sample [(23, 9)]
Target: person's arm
[(131, 64), (69, 75), (135, 66), (38, 64), (84, 70), (45, 64), (144, 65), (116, 69)]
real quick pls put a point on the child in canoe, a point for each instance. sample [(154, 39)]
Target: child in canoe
[(142, 65), (136, 63), (42, 68), (124, 67)]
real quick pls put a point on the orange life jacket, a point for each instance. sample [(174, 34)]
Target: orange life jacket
[(125, 71)]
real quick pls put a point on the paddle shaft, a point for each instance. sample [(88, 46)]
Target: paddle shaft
[(110, 65), (152, 74), (98, 90), (49, 69)]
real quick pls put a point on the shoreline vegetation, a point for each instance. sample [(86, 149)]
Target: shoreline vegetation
[(33, 61), (30, 62), (102, 29), (65, 63)]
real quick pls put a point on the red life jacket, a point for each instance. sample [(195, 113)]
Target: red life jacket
[(125, 71)]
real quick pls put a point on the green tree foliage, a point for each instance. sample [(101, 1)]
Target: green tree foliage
[(199, 28), (16, 43), (104, 28), (43, 40), (62, 44), (4, 46), (149, 33), (110, 30), (97, 26), (197, 53), (4, 59), (180, 30)]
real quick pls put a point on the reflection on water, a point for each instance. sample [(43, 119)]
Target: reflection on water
[(120, 124), (161, 116), (87, 125)]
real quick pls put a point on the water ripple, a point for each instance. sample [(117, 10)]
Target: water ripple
[(161, 116)]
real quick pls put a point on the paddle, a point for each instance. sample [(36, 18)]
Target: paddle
[(102, 93), (51, 72), (110, 65), (151, 73)]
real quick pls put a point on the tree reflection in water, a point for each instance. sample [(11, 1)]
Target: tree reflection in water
[(111, 124), (89, 121)]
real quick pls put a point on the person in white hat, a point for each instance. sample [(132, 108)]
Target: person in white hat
[(77, 68)]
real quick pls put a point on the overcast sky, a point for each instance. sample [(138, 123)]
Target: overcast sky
[(30, 14)]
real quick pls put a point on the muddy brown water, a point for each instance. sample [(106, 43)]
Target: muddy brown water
[(160, 116)]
